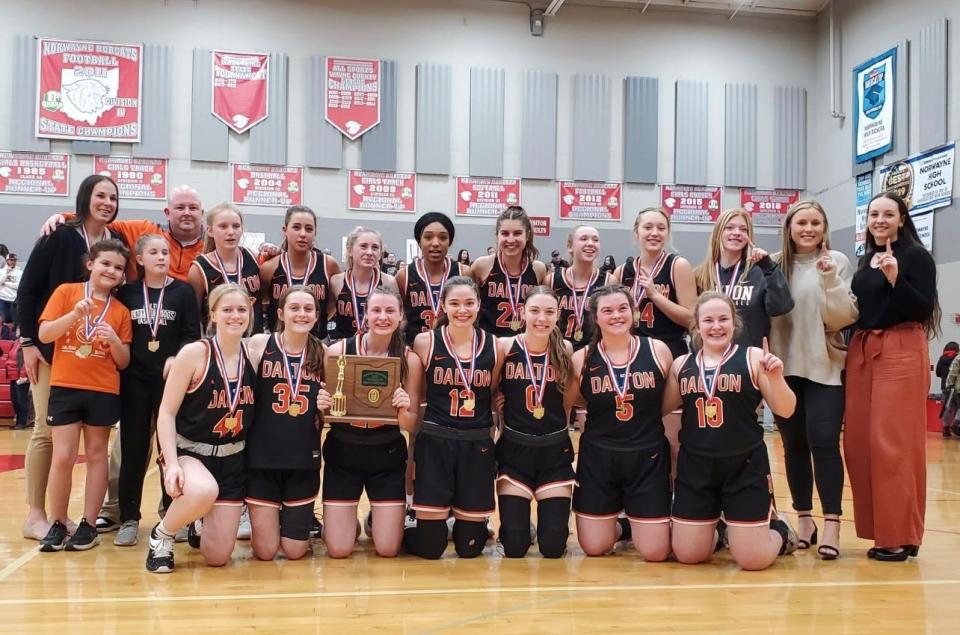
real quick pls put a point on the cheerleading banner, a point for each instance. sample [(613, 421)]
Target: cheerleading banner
[(241, 89), (353, 95), (88, 91), (34, 173), (541, 225), (267, 185), (691, 203), (486, 196), (580, 200), (382, 191), (873, 98), (767, 208), (135, 178)]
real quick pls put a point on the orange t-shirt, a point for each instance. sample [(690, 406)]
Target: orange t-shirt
[(97, 371)]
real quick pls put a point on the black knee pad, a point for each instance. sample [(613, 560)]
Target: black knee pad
[(553, 526), (469, 537), (514, 525), (427, 540)]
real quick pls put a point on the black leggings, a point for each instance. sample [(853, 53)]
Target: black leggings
[(139, 403), (814, 429)]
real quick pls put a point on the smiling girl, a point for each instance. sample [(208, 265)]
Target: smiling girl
[(352, 287)]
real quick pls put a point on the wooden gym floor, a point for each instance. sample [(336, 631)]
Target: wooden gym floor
[(107, 590)]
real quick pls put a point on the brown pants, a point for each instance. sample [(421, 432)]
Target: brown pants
[(40, 447), (884, 441)]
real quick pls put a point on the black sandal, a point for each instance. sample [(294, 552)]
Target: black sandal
[(805, 544), (829, 552)]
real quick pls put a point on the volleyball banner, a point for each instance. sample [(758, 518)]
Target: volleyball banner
[(541, 225), (88, 91), (241, 89), (581, 200), (382, 191), (924, 181), (135, 178), (690, 203), (864, 192), (34, 173), (767, 208), (267, 185), (353, 95), (486, 197), (873, 98)]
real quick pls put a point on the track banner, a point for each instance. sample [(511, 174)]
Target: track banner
[(691, 203), (382, 191), (767, 208), (135, 178)]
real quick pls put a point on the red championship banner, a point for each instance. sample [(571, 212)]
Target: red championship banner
[(768, 208), (267, 185), (136, 178), (581, 200), (240, 88), (691, 203), (353, 95), (541, 225), (382, 191), (37, 174), (88, 90), (486, 197)]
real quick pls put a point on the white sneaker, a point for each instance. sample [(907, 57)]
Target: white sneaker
[(128, 534), (243, 530), (160, 555), (450, 522)]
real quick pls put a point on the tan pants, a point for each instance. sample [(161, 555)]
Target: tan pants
[(40, 447)]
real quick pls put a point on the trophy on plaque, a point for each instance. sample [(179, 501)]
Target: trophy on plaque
[(364, 390)]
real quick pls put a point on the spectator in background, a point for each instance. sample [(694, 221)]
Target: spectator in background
[(9, 281), (943, 364), (556, 261), (3, 251), (464, 257), (19, 385), (491, 251), (388, 264), (609, 265)]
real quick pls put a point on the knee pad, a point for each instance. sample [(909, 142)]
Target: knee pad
[(553, 526), (469, 537), (427, 540), (514, 525)]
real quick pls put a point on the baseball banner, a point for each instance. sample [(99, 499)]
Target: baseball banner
[(541, 225), (486, 196), (241, 89), (382, 191), (580, 200), (136, 178), (353, 95), (864, 192), (267, 185), (37, 174), (924, 181), (88, 91), (767, 208), (690, 203), (873, 98)]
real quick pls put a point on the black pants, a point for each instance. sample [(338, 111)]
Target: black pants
[(139, 403), (814, 429), (20, 396)]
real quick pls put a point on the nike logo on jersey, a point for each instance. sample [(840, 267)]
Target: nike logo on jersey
[(439, 358), (594, 368), (483, 450)]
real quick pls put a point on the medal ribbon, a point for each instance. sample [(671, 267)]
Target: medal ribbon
[(374, 281), (88, 328), (233, 396), (288, 267), (514, 301), (581, 305), (293, 380), (422, 270), (621, 390), (538, 391), (711, 388), (223, 269), (154, 323), (83, 232), (448, 342), (733, 278), (639, 293)]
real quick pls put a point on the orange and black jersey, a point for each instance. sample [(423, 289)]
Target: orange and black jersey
[(652, 321), (562, 285), (519, 394), (417, 307), (248, 278), (317, 281), (448, 400), (496, 314)]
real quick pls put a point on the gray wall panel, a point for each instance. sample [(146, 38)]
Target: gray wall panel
[(901, 107), (156, 114), (641, 113), (378, 149), (324, 142), (434, 103), (22, 117), (591, 127), (740, 135), (790, 137), (538, 126), (99, 148), (692, 147), (268, 139), (932, 80), (486, 121), (208, 135)]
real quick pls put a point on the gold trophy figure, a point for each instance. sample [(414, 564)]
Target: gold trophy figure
[(339, 408)]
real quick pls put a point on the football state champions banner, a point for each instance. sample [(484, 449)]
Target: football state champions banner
[(240, 94), (924, 181), (864, 192), (581, 200), (382, 191), (88, 91), (873, 97), (267, 185), (353, 95), (690, 203), (767, 208), (135, 178), (37, 174), (486, 196)]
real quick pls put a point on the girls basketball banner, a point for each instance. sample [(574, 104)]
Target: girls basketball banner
[(241, 89), (690, 203), (382, 191), (88, 91), (34, 174), (873, 97), (353, 95), (589, 201), (924, 181), (767, 208), (135, 178), (486, 197), (267, 185), (541, 225)]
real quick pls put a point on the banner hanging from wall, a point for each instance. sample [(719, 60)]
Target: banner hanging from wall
[(353, 95), (486, 196), (267, 185), (240, 95), (541, 225), (691, 203), (88, 91), (924, 181), (767, 208), (34, 173), (582, 200), (136, 178), (924, 225), (864, 192), (382, 191), (873, 102)]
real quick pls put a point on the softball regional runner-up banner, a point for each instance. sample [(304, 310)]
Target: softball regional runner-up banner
[(581, 200), (353, 95), (382, 191), (34, 173), (691, 203), (88, 91), (241, 87), (873, 98), (486, 196), (135, 178), (267, 185)]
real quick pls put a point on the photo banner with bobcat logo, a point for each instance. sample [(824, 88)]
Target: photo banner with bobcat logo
[(241, 89)]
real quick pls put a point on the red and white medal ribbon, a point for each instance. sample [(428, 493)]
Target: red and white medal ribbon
[(355, 301), (154, 322), (233, 396), (90, 328), (710, 389), (288, 268), (639, 292), (86, 239), (223, 269), (293, 379), (539, 388), (733, 279), (620, 390), (514, 299), (465, 377), (579, 305), (422, 271)]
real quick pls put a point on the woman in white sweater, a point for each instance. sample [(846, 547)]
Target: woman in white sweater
[(809, 341)]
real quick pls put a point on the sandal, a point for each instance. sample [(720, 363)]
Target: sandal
[(805, 544), (829, 552)]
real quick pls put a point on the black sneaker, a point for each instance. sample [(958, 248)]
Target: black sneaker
[(316, 528), (160, 554), (721, 536), (193, 534), (106, 525), (85, 537), (56, 538)]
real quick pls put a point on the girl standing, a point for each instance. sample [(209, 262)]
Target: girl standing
[(575, 284), (351, 288)]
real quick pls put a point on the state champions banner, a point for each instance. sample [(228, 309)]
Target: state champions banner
[(486, 196), (353, 95), (691, 203), (267, 185), (585, 200), (144, 179), (240, 93), (767, 208), (873, 100), (88, 91), (924, 181), (34, 173), (382, 191)]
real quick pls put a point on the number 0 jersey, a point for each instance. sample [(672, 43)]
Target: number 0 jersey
[(447, 398), (519, 394)]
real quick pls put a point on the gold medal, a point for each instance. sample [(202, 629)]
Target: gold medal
[(230, 423), (514, 325), (469, 404), (294, 410), (373, 396), (153, 346), (636, 316), (84, 351), (538, 412), (711, 411), (578, 335)]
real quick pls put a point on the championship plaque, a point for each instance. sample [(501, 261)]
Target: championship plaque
[(363, 390)]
